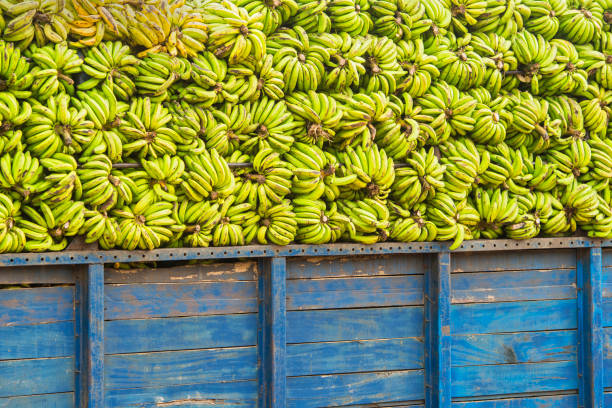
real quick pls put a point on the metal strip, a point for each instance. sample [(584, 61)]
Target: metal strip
[(590, 330), (264, 251), (272, 333), (437, 332), (92, 358)]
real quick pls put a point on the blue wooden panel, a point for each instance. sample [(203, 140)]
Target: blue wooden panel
[(36, 305), (48, 274), (37, 341), (347, 389), (354, 356), (505, 317), (607, 312), (514, 348), (549, 401), (161, 300), (354, 324), (472, 381), (226, 395), (372, 265), (92, 367), (304, 294), (40, 376), (180, 333), (513, 260), (64, 400), (606, 257), (219, 271), (180, 367), (538, 284)]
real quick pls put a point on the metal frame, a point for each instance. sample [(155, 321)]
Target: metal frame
[(89, 305)]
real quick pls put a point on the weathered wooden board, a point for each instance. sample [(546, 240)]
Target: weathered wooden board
[(63, 400), (38, 376), (513, 260), (354, 324), (179, 333), (50, 274), (304, 294), (37, 341), (36, 305), (347, 389), (161, 300), (373, 265), (548, 401), (354, 356)]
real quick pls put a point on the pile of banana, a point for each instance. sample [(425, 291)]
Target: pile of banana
[(140, 124)]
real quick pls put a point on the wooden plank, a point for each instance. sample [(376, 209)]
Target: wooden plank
[(305, 294), (180, 333), (219, 271), (473, 381), (161, 300), (606, 257), (37, 341), (222, 394), (607, 312), (50, 274), (508, 317), (370, 265), (347, 389), (548, 401), (38, 376), (514, 260), (62, 400), (36, 305), (91, 381), (180, 367), (527, 347), (541, 284), (354, 324), (354, 356)]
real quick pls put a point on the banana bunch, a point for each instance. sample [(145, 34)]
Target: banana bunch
[(569, 112), (544, 17), (464, 165), (184, 28), (95, 20), (399, 19), (164, 174), (505, 168), (544, 174), (102, 186), (12, 237), (57, 127), (275, 13), (52, 73), (100, 227), (156, 74), (573, 158), (271, 126), (453, 220), (465, 13), (318, 222), (361, 114), (572, 78), (234, 121), (192, 125), (382, 69), (508, 23), (582, 21), (48, 227), (601, 158), (19, 174), (596, 109), (144, 126), (13, 114), (496, 52), (229, 230), (374, 170), (35, 20), (277, 225), (459, 64), (497, 209), (369, 220), (311, 16), (111, 62), (420, 180), (580, 203), (233, 33), (407, 226), (597, 63), (206, 176), (145, 224), (268, 81), (60, 182), (350, 16), (491, 121), (537, 57), (440, 15), (199, 219), (15, 71), (316, 116), (419, 68), (301, 61), (208, 75)]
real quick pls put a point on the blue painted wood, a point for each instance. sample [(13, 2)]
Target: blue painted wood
[(438, 332), (475, 381), (371, 265), (527, 347), (354, 324), (48, 274), (215, 272), (141, 301), (541, 284), (272, 358), (514, 260), (63, 400), (508, 317), (305, 294), (354, 356), (549, 401), (36, 305), (37, 341), (361, 388), (180, 367), (591, 342), (92, 364), (38, 376), (180, 333), (226, 395)]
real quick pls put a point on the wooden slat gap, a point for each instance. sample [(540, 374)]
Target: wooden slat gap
[(386, 372)]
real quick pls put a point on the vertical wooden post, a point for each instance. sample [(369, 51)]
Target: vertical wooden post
[(272, 333), (437, 332), (590, 331), (90, 332)]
